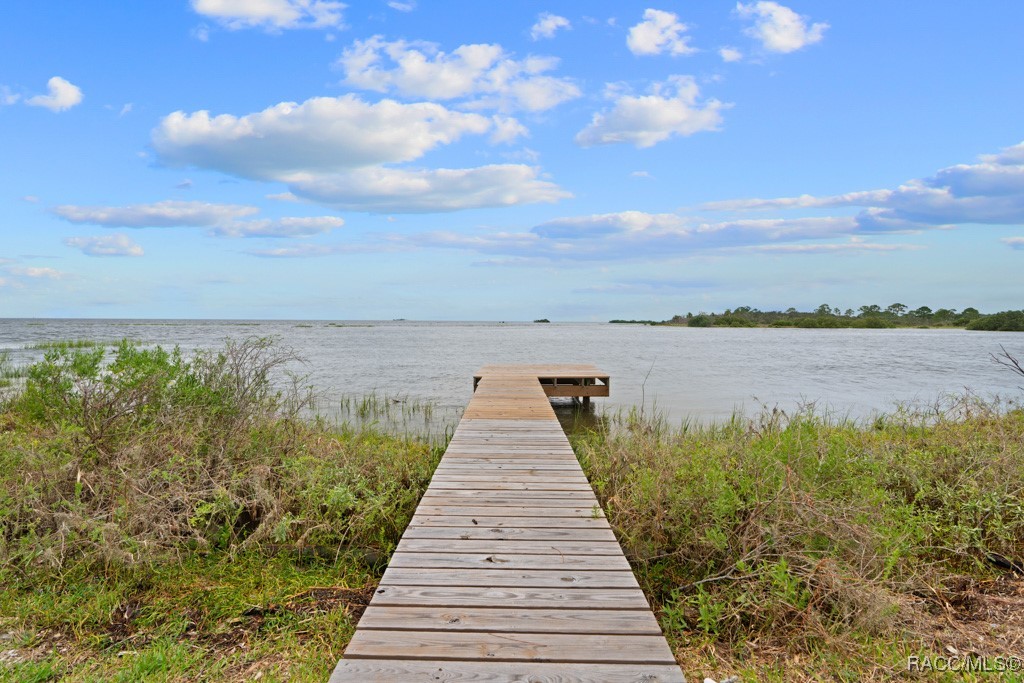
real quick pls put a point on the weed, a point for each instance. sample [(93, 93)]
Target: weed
[(812, 536)]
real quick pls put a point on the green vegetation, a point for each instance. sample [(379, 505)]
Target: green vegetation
[(798, 547), (873, 316), (65, 345), (173, 518), (9, 371), (1006, 321)]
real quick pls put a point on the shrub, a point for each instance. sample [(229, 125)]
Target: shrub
[(1004, 321), (127, 459)]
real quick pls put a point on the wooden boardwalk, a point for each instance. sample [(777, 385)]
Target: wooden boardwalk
[(509, 570)]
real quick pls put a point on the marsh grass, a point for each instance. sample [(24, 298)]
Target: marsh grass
[(175, 518), (789, 543), (9, 372), (65, 345)]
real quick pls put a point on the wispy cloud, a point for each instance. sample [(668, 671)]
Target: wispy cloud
[(990, 191), (222, 220), (730, 54), (117, 244), (1013, 242), (36, 273), (548, 25), (272, 15)]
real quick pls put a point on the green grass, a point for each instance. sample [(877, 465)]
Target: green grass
[(818, 546), (164, 518), (8, 371), (203, 619), (65, 345)]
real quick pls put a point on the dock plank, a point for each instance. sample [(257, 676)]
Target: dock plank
[(509, 570), (390, 671)]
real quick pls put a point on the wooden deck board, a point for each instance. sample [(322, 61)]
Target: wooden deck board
[(508, 570)]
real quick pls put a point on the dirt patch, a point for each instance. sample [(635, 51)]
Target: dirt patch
[(978, 617), (321, 600)]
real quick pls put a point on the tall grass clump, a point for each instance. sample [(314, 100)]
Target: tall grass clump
[(140, 454), (807, 535), (8, 370)]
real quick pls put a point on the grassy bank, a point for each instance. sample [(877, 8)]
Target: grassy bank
[(164, 518), (803, 548), (174, 519)]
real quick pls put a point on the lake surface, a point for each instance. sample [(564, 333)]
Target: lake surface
[(701, 373)]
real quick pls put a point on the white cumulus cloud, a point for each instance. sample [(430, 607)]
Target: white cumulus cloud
[(1014, 242), (322, 134), (659, 32), (117, 244), (272, 15), (548, 25), (480, 75), (670, 108), (62, 95), (778, 28), (338, 151)]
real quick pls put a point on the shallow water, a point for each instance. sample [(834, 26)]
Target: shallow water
[(701, 373)]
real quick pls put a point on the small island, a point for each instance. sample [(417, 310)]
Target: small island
[(871, 316)]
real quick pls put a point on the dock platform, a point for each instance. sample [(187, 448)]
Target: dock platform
[(509, 571)]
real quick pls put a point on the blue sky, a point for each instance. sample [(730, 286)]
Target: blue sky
[(466, 160)]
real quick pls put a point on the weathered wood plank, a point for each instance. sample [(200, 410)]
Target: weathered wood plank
[(478, 532), (508, 546), (522, 578), (588, 521), (508, 570), (508, 561), (495, 485), (447, 498), (495, 620), (546, 647), (473, 508), (414, 671)]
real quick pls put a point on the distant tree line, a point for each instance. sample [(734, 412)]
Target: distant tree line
[(872, 316)]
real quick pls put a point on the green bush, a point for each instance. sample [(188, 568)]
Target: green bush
[(146, 454), (1004, 321), (701, 321)]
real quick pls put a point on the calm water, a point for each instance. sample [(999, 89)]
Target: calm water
[(697, 373)]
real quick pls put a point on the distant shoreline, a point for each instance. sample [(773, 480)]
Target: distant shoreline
[(867, 317)]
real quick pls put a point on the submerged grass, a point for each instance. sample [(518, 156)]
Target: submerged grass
[(9, 372), (65, 345), (799, 547)]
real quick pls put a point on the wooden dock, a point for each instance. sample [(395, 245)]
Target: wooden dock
[(509, 571)]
